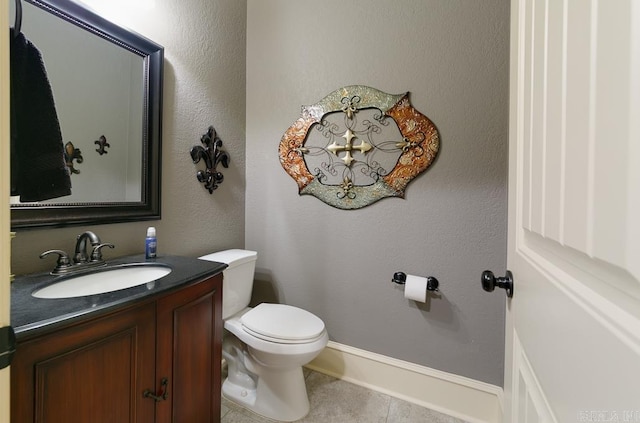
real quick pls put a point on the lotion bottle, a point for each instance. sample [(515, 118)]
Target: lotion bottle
[(151, 243)]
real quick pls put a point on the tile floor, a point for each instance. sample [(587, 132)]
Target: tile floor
[(336, 401)]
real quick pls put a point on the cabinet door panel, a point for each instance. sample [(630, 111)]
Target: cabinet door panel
[(94, 372), (189, 352), (62, 391)]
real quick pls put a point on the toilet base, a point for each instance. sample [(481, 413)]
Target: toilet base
[(279, 395)]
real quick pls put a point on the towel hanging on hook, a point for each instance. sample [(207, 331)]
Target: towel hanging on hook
[(18, 23), (38, 169)]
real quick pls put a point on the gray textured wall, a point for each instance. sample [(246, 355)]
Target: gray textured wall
[(453, 58), (204, 85)]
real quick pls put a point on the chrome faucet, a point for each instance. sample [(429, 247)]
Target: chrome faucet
[(81, 259)]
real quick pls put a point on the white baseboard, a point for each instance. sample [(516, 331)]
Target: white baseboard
[(457, 396)]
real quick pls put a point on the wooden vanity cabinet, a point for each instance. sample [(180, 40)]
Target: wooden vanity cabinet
[(189, 353), (89, 372), (98, 370)]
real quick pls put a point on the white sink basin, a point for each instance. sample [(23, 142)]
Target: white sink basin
[(104, 281)]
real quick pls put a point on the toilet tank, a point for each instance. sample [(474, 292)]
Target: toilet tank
[(237, 282)]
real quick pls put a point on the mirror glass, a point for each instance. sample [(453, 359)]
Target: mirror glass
[(106, 83)]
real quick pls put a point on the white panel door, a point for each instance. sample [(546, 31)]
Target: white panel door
[(573, 325)]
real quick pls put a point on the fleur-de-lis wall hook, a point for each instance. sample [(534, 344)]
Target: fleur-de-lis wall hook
[(102, 145), (70, 154), (212, 154)]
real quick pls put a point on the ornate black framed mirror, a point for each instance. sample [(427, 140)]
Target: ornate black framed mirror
[(107, 85)]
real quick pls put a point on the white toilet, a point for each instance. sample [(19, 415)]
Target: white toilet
[(265, 346)]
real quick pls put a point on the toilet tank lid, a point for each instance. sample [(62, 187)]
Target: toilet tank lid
[(232, 257)]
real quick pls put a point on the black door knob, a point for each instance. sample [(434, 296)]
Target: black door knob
[(489, 282)]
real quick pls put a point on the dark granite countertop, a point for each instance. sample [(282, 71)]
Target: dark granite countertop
[(30, 315)]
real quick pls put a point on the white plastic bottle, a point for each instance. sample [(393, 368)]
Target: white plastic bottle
[(151, 243)]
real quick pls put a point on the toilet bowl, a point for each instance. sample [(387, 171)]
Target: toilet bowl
[(266, 346)]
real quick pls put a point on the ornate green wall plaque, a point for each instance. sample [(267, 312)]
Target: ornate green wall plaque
[(357, 146)]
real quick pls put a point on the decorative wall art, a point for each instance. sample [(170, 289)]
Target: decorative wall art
[(212, 154), (102, 145), (357, 146), (72, 153)]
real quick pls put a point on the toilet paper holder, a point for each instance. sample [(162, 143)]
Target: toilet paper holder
[(432, 283)]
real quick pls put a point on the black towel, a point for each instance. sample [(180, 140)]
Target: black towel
[(38, 170)]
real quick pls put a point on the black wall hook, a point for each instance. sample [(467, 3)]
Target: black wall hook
[(212, 154)]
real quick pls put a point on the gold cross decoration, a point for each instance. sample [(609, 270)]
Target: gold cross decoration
[(335, 148)]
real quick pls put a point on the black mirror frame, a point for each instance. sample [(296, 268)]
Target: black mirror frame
[(69, 214)]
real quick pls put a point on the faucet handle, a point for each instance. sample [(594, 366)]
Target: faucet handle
[(96, 254), (63, 259)]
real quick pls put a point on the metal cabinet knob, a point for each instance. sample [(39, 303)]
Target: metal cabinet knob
[(162, 394)]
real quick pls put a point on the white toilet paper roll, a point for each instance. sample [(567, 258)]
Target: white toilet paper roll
[(415, 288)]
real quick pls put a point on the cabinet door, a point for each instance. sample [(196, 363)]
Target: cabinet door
[(189, 331), (92, 372)]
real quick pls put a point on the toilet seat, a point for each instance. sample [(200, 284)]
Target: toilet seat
[(282, 324)]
